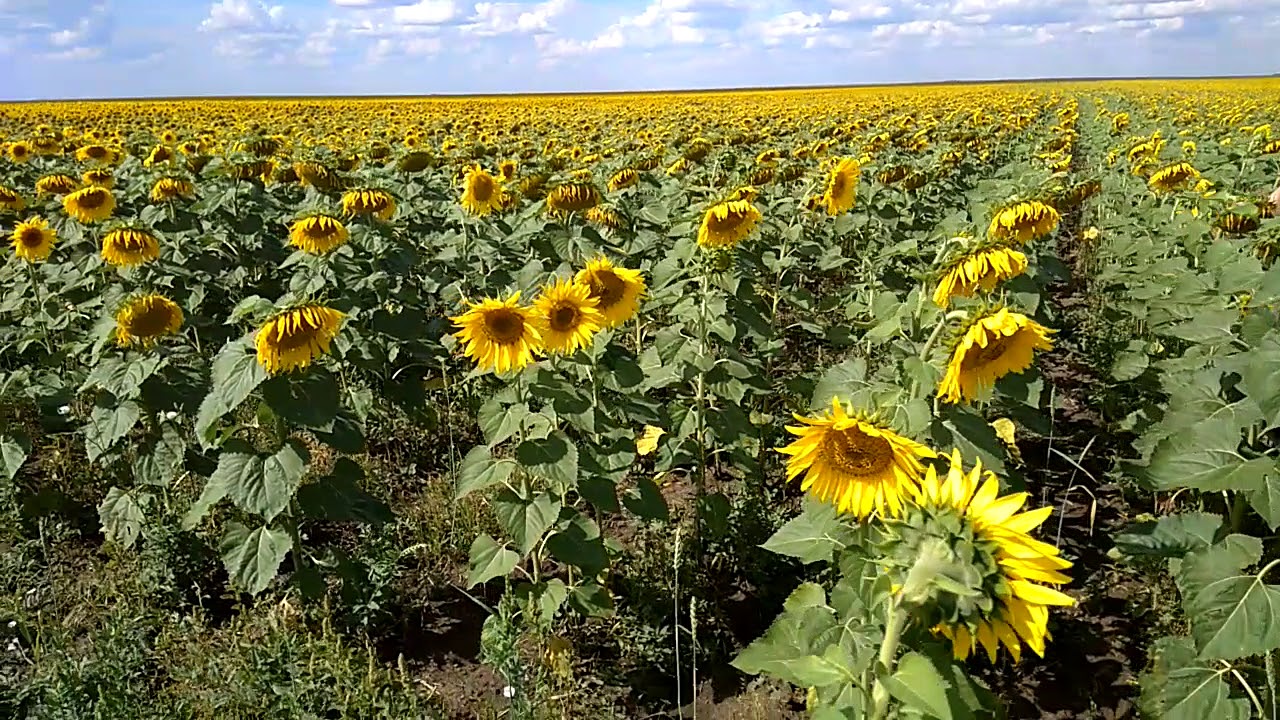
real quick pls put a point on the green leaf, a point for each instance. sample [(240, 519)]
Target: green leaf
[(592, 600), (262, 485), (122, 376), (121, 516), (236, 374), (14, 450), (253, 557), (500, 423), (1182, 687), (554, 457), (307, 399), (526, 521), (339, 497), (489, 560), (165, 459), (840, 381), (1129, 365), (1232, 615), (212, 494), (579, 543), (107, 426), (812, 536), (1260, 378), (805, 628), (646, 501), (1171, 536), (918, 685), (480, 469), (1209, 327), (1206, 457), (1265, 499)]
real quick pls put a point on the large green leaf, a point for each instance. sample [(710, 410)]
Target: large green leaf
[(525, 520), (1265, 498), (107, 426), (918, 685), (122, 376), (309, 399), (1232, 615), (1260, 378), (339, 497), (489, 560), (480, 469), (259, 484), (840, 381), (14, 450), (158, 464), (804, 629), (121, 516), (1206, 457), (500, 422), (253, 557), (1171, 536), (579, 543), (236, 374), (812, 536), (1180, 686), (554, 457)]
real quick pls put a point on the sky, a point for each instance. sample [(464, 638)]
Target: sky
[(156, 48)]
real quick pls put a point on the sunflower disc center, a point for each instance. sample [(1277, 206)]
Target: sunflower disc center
[(607, 288), (564, 318), (856, 453), (504, 327)]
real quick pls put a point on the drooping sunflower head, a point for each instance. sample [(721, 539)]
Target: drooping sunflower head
[(318, 234), (170, 188), (369, 202), (127, 247), (616, 289), (728, 223), (96, 153), (1023, 222), (481, 193), (979, 269), (745, 192), (159, 154), (143, 319), (1008, 577), (507, 170), (1172, 177), (624, 178), (56, 185), (501, 335), (293, 339), (842, 186), (994, 344), (90, 204), (33, 240), (605, 218), (101, 177), (574, 197), (316, 175), (854, 463), (1234, 223), (566, 316), (11, 200)]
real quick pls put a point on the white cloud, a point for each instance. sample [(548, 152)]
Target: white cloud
[(243, 15), (426, 12), (499, 18), (850, 11)]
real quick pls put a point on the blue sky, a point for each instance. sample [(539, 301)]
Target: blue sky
[(123, 48)]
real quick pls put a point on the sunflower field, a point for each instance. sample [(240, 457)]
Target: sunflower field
[(915, 402)]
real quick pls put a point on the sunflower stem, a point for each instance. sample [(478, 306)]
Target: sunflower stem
[(887, 658), (42, 323)]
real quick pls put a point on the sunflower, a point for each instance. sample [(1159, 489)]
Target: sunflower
[(854, 463), (566, 316), (96, 153), (572, 198), (159, 154), (624, 178), (170, 188), (318, 234), (1236, 223), (292, 339), (1023, 222), (499, 334), (90, 204), (617, 290), (378, 203), (143, 319), (1172, 177), (33, 240), (10, 200), (842, 186), (1011, 571), (126, 247), (482, 193), (728, 223), (316, 175), (980, 269), (1271, 148), (746, 192), (19, 152), (56, 185), (507, 170), (994, 345), (605, 217), (101, 177)]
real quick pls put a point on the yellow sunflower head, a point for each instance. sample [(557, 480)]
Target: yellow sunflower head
[(369, 202), (980, 269), (143, 319), (171, 188), (566, 316), (481, 193), (90, 204), (606, 218), (986, 540), (56, 185), (854, 463), (842, 186), (1023, 222), (318, 234), (293, 339), (573, 197), (95, 153), (19, 152), (995, 344), (617, 290), (126, 247), (101, 177), (158, 155), (507, 170), (728, 223), (11, 200), (33, 240), (624, 178), (1172, 177), (501, 335)]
